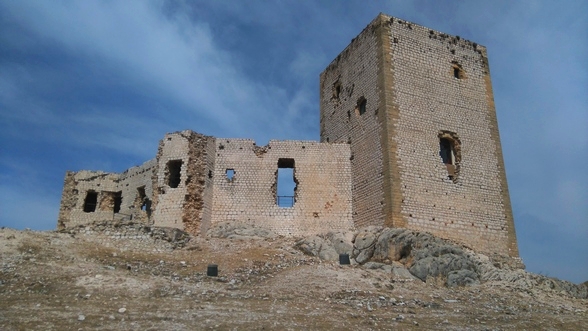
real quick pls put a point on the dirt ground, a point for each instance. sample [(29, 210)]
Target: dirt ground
[(58, 281)]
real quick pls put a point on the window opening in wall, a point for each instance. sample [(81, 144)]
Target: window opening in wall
[(90, 202), (230, 174), (286, 183), (457, 70), (174, 168), (117, 202), (336, 90), (142, 201), (450, 153), (447, 153), (361, 106)]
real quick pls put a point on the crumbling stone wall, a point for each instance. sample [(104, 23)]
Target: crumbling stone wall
[(107, 186), (429, 86), (323, 193), (75, 190), (195, 182), (180, 206), (132, 183), (208, 194), (69, 199)]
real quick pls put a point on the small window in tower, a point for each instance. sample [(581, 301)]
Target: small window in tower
[(174, 168), (447, 154), (230, 174), (90, 202), (450, 153), (336, 90), (457, 70), (456, 73), (360, 108)]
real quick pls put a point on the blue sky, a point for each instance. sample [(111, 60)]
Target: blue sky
[(96, 84)]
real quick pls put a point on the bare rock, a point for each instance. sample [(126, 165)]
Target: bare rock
[(237, 230)]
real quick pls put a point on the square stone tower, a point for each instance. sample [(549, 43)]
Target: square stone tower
[(416, 106)]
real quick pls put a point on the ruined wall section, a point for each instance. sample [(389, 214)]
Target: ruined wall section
[(179, 180), (115, 196), (350, 105), (76, 206), (440, 90), (69, 199), (208, 193), (322, 197), (195, 182), (136, 187)]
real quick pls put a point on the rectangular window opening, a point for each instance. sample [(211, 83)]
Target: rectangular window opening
[(446, 151), (90, 201), (361, 105), (456, 73), (230, 174), (117, 201), (143, 201), (174, 168), (286, 183)]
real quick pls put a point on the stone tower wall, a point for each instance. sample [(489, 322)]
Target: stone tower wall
[(430, 86), (474, 206), (350, 78)]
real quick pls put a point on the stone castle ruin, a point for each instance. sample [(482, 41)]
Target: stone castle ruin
[(409, 139)]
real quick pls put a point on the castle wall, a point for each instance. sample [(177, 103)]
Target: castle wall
[(322, 197), (136, 186), (409, 138), (78, 185), (449, 94), (208, 194), (349, 79), (178, 181), (108, 187)]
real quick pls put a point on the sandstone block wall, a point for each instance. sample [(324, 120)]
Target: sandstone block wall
[(429, 86), (322, 196), (178, 180), (108, 187), (137, 190), (474, 206), (352, 78)]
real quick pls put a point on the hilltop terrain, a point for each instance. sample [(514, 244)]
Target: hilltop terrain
[(130, 277)]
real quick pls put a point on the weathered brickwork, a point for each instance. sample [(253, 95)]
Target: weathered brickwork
[(132, 187), (438, 138), (409, 138), (179, 180), (348, 81), (322, 199)]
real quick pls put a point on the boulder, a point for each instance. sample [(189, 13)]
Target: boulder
[(317, 246)]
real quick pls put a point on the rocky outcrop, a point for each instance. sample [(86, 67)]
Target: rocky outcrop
[(327, 247), (236, 230), (420, 255)]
